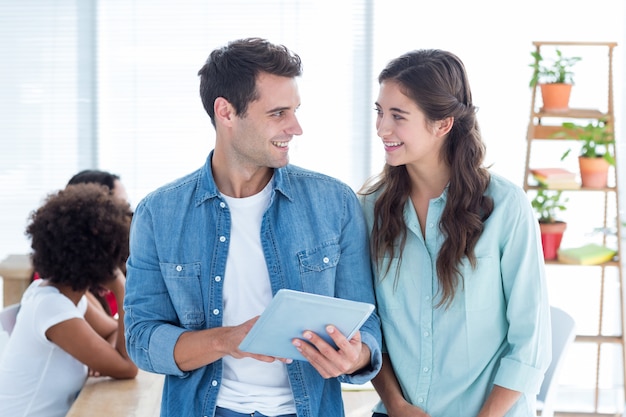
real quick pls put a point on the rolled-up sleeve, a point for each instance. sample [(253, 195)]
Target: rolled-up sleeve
[(355, 281), (528, 310)]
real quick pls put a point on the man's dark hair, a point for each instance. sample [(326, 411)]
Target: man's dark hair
[(231, 72), (96, 176)]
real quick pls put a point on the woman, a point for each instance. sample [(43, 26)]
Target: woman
[(116, 188), (100, 296), (79, 238), (460, 282)]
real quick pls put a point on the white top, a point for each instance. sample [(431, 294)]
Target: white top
[(249, 385), (38, 378)]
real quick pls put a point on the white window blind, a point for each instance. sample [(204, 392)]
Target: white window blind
[(152, 127), (40, 108), (113, 85)]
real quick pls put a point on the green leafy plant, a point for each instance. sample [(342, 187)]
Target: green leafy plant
[(595, 136), (557, 70), (547, 203)]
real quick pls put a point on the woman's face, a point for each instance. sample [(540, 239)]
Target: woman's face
[(408, 137)]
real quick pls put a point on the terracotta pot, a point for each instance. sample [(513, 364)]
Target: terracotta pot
[(555, 96), (594, 172), (551, 235)]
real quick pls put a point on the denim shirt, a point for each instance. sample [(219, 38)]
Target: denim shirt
[(314, 239)]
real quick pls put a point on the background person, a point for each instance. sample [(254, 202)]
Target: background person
[(460, 281), (209, 250), (101, 296), (113, 182), (79, 237)]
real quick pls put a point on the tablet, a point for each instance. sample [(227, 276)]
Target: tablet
[(292, 312)]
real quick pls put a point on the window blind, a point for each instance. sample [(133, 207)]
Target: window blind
[(113, 85)]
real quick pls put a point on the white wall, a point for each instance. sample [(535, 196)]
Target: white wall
[(494, 39)]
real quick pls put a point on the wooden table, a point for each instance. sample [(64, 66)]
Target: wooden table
[(139, 397)]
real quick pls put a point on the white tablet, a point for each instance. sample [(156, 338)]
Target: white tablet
[(292, 312)]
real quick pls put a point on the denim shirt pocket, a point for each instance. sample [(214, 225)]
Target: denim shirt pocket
[(183, 283), (318, 266)]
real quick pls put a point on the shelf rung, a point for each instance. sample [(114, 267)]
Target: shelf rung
[(605, 189), (541, 43), (599, 339), (573, 113)]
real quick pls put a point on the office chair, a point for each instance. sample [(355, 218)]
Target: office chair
[(563, 334), (8, 316)]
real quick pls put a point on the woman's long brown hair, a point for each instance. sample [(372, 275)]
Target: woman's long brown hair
[(437, 82)]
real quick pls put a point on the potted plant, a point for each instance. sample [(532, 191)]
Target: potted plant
[(555, 78), (547, 203), (596, 155)]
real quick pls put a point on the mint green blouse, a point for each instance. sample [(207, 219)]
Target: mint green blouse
[(497, 329)]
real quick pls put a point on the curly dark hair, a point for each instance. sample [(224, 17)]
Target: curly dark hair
[(79, 236)]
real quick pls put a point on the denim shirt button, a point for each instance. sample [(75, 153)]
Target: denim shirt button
[(325, 260), (216, 312), (222, 204), (218, 278), (214, 383), (179, 268), (222, 239)]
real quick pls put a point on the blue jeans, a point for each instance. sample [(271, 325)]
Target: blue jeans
[(224, 412), (379, 415)]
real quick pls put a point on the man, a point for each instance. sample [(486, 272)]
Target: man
[(209, 250)]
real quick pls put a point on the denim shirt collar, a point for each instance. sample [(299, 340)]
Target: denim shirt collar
[(207, 189)]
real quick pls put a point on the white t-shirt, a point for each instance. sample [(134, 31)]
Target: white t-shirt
[(37, 377), (249, 385)]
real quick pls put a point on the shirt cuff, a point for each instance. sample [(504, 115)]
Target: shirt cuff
[(162, 343), (519, 377), (376, 361)]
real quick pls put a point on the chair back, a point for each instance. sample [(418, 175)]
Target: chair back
[(563, 335), (8, 315)]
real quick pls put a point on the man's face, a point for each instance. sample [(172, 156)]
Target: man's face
[(261, 138)]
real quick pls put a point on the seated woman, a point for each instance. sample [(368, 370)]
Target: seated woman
[(100, 296), (79, 238)]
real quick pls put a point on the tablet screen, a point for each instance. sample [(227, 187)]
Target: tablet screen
[(292, 312)]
